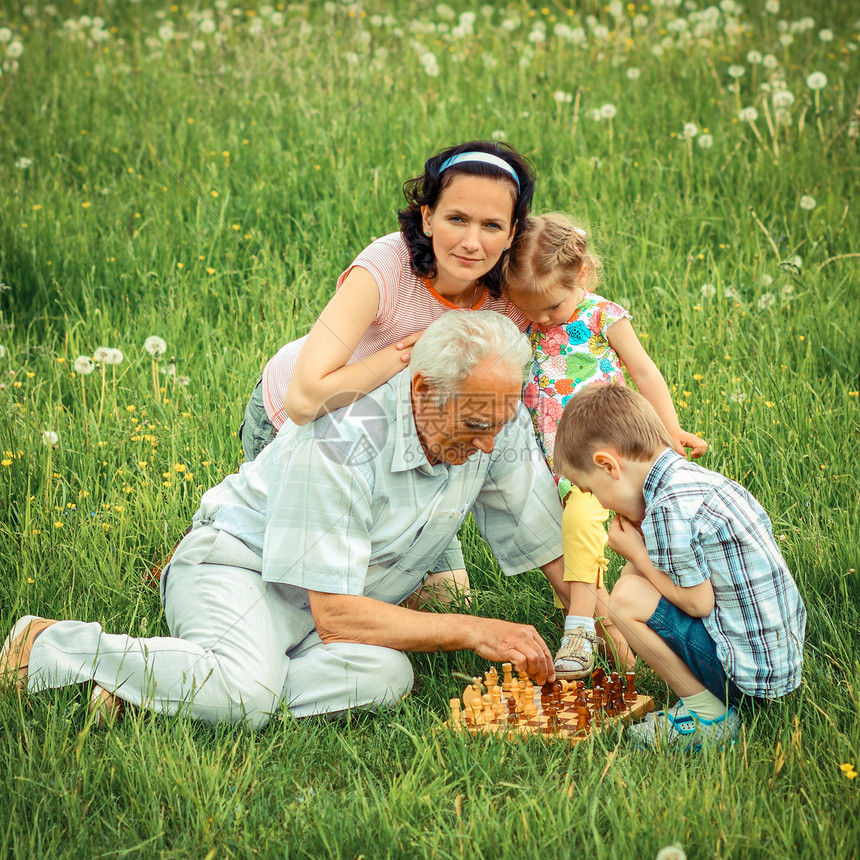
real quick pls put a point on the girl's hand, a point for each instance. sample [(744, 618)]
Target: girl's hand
[(696, 445), (406, 343)]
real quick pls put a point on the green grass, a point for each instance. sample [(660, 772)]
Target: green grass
[(211, 193)]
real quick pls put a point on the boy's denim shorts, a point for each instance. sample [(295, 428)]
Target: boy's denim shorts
[(689, 639)]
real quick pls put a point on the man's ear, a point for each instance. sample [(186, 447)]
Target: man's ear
[(420, 388), (607, 462)]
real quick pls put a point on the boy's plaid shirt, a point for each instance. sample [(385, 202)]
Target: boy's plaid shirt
[(700, 525)]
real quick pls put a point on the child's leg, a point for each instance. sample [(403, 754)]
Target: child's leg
[(678, 648), (634, 600), (615, 647), (583, 538)]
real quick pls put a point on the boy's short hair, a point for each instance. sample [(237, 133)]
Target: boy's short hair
[(607, 416)]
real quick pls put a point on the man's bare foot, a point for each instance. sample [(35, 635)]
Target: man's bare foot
[(15, 654)]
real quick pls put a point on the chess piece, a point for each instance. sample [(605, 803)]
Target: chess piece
[(507, 669), (489, 713), (456, 716), (630, 693)]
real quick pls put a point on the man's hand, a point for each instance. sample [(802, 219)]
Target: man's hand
[(520, 644), (626, 540)]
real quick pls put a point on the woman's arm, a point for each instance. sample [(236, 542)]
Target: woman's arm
[(651, 384), (322, 379)]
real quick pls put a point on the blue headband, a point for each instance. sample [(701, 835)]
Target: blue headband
[(486, 158)]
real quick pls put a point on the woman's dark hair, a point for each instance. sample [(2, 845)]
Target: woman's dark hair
[(426, 189)]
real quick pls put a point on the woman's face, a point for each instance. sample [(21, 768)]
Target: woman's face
[(470, 225)]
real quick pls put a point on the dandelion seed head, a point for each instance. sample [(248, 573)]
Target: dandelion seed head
[(608, 111), (83, 365), (671, 852), (816, 81), (748, 114), (50, 438), (807, 202), (562, 97), (15, 49), (754, 58), (155, 346), (5, 35), (709, 290), (772, 6), (786, 39), (705, 141), (783, 99), (826, 35), (690, 130), (633, 73), (769, 61), (736, 71)]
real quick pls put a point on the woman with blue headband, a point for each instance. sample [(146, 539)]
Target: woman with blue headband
[(461, 217)]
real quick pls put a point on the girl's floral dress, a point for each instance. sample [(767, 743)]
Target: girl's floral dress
[(564, 359)]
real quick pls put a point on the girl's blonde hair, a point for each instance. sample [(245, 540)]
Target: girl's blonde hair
[(550, 250)]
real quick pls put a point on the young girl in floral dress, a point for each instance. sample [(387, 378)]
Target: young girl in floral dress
[(578, 338)]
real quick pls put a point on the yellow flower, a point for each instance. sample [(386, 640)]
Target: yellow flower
[(86, 205), (846, 767), (141, 463), (180, 266), (179, 467), (6, 462), (58, 525), (130, 408), (30, 580), (210, 271)]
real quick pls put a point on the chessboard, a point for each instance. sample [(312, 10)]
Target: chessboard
[(513, 706)]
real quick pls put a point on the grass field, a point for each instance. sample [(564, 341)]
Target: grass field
[(204, 173)]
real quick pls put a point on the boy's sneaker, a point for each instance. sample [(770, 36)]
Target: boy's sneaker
[(677, 711), (574, 658), (681, 729)]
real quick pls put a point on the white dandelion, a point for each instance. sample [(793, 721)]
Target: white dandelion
[(690, 130), (766, 301), (562, 97), (49, 438), (748, 114), (608, 111), (783, 99), (5, 35), (633, 73), (807, 202), (101, 355), (766, 280), (671, 852), (769, 61), (816, 81), (786, 39), (155, 346), (772, 6), (23, 163), (115, 357), (754, 58), (15, 49), (708, 290), (705, 141), (826, 35), (83, 365), (736, 71)]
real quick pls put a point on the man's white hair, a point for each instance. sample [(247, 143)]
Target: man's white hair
[(458, 341)]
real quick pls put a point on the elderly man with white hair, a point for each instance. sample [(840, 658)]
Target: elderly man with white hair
[(288, 587)]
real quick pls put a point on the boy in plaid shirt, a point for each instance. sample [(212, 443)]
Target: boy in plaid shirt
[(706, 599)]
